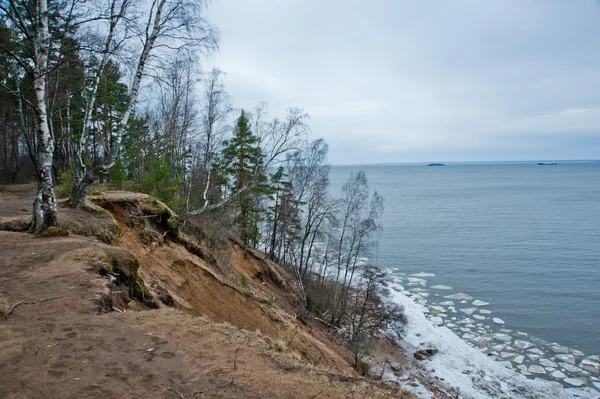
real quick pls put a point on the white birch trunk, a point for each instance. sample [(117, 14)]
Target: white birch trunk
[(45, 139)]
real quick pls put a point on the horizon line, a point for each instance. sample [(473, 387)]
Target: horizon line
[(465, 162)]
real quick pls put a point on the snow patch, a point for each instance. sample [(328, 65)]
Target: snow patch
[(476, 375)]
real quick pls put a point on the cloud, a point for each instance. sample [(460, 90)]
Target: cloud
[(407, 81)]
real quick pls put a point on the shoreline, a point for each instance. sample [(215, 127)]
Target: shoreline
[(478, 355)]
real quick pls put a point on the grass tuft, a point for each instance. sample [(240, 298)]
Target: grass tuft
[(55, 232)]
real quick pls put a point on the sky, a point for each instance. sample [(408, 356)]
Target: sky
[(422, 81)]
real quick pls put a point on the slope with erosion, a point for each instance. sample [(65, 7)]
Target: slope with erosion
[(210, 334)]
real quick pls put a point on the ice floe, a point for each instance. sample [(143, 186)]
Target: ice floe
[(590, 365), (576, 382), (506, 347), (459, 296), (423, 274), (416, 280), (535, 369), (558, 374), (473, 372), (569, 367), (556, 348), (565, 357), (524, 345), (547, 363), (441, 287), (519, 359)]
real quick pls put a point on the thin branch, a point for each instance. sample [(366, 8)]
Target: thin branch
[(31, 303)]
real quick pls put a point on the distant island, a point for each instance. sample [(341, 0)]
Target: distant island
[(547, 163), (436, 164)]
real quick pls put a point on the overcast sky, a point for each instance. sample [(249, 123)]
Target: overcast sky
[(418, 81)]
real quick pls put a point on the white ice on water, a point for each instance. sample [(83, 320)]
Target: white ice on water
[(459, 296), (476, 375), (423, 274), (441, 287)]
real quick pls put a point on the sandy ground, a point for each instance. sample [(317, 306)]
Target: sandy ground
[(63, 348)]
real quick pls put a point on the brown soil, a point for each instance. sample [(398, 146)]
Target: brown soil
[(221, 339)]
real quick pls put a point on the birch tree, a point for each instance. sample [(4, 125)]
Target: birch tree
[(171, 25), (30, 21), (214, 115), (116, 12)]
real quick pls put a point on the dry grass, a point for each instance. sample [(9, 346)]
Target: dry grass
[(280, 345), (55, 232), (3, 307)]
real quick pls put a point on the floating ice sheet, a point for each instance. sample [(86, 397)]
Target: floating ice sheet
[(423, 274)]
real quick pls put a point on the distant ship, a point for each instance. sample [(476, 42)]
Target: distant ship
[(436, 164), (547, 163)]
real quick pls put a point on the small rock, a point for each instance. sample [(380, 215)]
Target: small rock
[(396, 366), (425, 354)]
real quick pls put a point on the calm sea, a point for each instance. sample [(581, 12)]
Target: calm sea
[(525, 238)]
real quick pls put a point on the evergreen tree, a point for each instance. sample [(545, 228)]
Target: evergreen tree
[(241, 162)]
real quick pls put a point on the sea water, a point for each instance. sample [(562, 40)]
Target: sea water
[(523, 238)]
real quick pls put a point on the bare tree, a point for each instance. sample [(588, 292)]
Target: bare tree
[(214, 114), (370, 312), (170, 25), (357, 220)]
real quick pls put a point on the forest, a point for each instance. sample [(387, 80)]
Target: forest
[(111, 94)]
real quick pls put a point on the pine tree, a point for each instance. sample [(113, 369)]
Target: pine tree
[(241, 162)]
